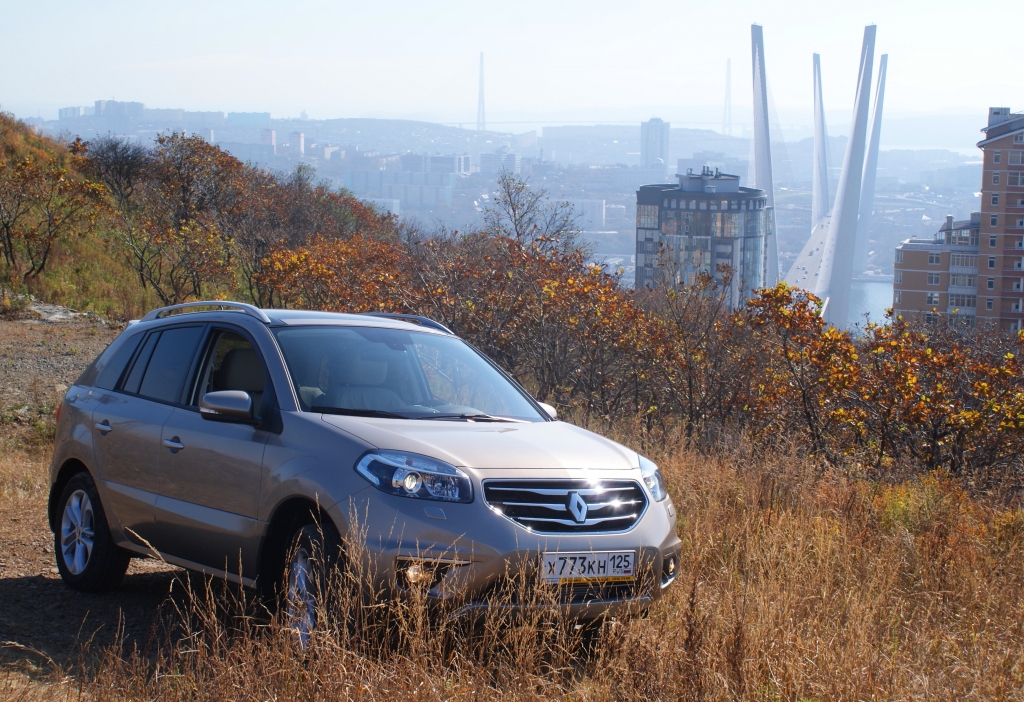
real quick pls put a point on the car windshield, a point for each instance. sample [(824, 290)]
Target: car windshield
[(377, 372)]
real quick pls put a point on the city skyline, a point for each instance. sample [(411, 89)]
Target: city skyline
[(556, 64)]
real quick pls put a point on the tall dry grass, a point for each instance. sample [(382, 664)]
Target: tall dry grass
[(794, 585)]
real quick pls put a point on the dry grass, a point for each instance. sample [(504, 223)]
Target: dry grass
[(793, 586)]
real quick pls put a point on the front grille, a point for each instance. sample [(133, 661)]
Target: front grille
[(568, 506)]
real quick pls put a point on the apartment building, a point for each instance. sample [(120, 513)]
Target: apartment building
[(1002, 217), (939, 276), (974, 268)]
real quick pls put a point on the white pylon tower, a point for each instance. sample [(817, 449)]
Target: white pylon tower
[(763, 152), (819, 186), (836, 270), (727, 114), (481, 117), (806, 268), (867, 188)]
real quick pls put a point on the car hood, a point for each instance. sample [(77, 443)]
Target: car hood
[(497, 445)]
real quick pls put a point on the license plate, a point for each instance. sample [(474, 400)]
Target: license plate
[(606, 566)]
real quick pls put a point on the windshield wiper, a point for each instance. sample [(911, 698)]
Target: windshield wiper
[(478, 417), (351, 412)]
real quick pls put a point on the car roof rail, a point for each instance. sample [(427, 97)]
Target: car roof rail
[(413, 318), (250, 310)]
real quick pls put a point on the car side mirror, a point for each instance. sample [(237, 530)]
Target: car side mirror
[(227, 406), (552, 412)]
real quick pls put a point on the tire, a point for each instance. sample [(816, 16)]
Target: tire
[(311, 565), (87, 558)]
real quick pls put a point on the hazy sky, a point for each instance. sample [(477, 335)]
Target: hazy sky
[(547, 61)]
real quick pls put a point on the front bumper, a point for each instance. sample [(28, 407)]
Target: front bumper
[(480, 561)]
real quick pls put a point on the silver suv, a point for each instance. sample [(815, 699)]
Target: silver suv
[(238, 442)]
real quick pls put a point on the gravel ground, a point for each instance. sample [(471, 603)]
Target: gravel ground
[(42, 622)]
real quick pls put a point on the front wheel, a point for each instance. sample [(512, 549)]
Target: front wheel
[(312, 559), (87, 558)]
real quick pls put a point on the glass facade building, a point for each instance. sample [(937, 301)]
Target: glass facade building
[(707, 223)]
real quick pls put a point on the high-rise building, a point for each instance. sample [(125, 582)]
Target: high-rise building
[(297, 141), (705, 224), (654, 135), (500, 160), (112, 109), (1002, 216), (975, 268), (69, 113), (268, 137)]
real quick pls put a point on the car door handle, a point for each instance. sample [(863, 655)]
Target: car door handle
[(103, 427), (174, 444)]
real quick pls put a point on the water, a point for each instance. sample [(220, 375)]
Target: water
[(872, 297)]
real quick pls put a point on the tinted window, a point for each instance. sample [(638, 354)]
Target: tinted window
[(131, 384), (108, 377), (171, 360)]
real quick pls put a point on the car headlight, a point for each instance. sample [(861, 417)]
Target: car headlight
[(411, 475), (652, 479)]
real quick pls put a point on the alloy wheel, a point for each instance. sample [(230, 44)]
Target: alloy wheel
[(77, 532), (301, 610)]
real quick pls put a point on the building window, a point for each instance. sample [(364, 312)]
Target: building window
[(897, 277), (899, 255), (996, 157), (932, 299), (991, 284), (1014, 179), (1018, 138), (962, 301), (963, 260), (1015, 158), (994, 220), (995, 179), (989, 303), (897, 297), (934, 258), (964, 280), (647, 216), (995, 198), (931, 318), (933, 279), (991, 261), (991, 242)]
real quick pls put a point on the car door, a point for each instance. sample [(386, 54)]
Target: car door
[(127, 424), (211, 471)]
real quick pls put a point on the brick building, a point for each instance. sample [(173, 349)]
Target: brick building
[(975, 268)]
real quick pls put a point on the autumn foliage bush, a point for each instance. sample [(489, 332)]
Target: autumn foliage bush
[(188, 221)]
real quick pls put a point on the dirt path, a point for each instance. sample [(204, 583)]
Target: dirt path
[(41, 620)]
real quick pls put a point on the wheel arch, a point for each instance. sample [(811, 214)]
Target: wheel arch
[(68, 470), (288, 516)]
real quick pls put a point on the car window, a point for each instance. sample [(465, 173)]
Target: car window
[(134, 379), (169, 364), (408, 374), (108, 377), (232, 363)]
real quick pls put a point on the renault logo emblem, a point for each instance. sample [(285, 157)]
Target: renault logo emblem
[(578, 507)]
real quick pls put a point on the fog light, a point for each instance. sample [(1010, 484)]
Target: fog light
[(416, 574), (670, 566), (412, 482)]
